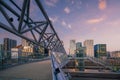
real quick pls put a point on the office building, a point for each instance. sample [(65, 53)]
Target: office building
[(8, 44), (78, 45), (72, 47), (1, 51), (80, 52), (88, 44), (100, 50)]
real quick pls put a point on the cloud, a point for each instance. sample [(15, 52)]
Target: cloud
[(72, 2), (114, 23), (51, 2), (95, 20), (76, 3), (67, 10), (102, 4), (94, 29), (66, 24), (54, 19), (69, 26)]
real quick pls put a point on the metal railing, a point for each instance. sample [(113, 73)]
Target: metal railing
[(25, 57), (105, 62), (57, 72)]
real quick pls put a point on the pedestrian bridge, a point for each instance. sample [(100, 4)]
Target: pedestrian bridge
[(55, 68), (17, 19), (31, 71)]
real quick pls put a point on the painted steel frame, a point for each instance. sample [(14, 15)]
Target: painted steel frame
[(51, 40)]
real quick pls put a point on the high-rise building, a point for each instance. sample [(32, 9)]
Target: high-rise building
[(89, 48), (72, 47), (1, 51), (8, 44), (100, 50), (78, 45), (80, 52)]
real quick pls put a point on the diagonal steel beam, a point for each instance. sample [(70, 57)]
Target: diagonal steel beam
[(21, 9), (16, 33), (31, 28), (43, 31), (27, 17), (22, 15), (54, 46), (7, 17), (46, 17), (50, 40), (15, 13), (28, 10)]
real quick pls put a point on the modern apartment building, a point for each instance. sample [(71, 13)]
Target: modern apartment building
[(72, 47), (8, 44), (78, 45), (88, 44), (100, 50), (1, 51)]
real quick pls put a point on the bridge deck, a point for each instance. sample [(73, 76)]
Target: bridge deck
[(32, 71)]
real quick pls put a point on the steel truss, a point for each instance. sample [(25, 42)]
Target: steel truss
[(47, 39)]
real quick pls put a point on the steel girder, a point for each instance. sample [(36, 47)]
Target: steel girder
[(42, 31)]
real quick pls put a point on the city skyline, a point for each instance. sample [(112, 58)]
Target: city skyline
[(83, 19)]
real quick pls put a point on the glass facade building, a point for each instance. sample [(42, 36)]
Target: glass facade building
[(8, 44), (78, 45), (1, 51), (80, 52), (100, 50)]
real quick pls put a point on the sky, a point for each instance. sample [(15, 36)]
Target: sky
[(81, 20)]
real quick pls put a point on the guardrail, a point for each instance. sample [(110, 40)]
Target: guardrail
[(57, 72), (101, 62), (7, 63)]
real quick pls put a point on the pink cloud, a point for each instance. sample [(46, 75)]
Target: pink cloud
[(67, 10), (54, 19), (114, 23), (69, 26), (94, 29), (51, 2), (102, 4), (95, 20), (66, 24)]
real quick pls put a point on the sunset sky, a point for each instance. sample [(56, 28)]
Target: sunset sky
[(83, 19)]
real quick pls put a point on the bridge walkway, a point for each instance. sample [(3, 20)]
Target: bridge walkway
[(31, 71)]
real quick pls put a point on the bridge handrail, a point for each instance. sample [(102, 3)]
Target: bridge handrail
[(100, 61), (57, 72)]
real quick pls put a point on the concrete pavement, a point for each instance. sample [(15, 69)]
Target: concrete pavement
[(32, 71)]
